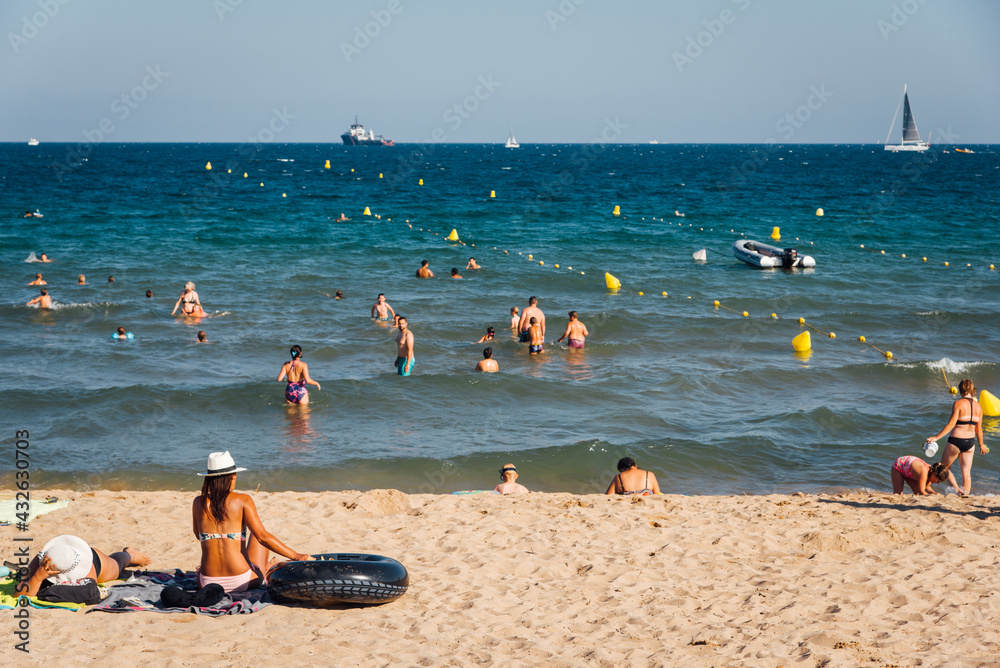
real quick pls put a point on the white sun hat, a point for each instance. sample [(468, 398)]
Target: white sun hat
[(221, 463), (71, 555)]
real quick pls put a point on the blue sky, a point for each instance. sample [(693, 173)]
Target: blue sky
[(742, 71)]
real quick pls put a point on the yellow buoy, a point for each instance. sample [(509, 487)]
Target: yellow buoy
[(832, 335), (380, 174), (989, 403), (453, 236), (802, 342), (991, 267), (367, 212), (862, 245), (776, 234), (261, 184), (903, 255), (326, 165), (745, 314), (229, 171), (352, 169), (612, 282), (581, 273), (530, 256), (946, 264), (283, 195), (640, 293), (861, 339), (802, 321), (540, 262), (888, 355), (569, 268), (664, 294), (774, 315), (924, 259), (953, 390), (881, 252), (244, 174), (715, 303), (493, 193), (420, 182), (208, 165), (617, 211), (819, 212), (557, 266)]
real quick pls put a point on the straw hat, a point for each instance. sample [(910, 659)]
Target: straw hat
[(221, 463), (71, 555)]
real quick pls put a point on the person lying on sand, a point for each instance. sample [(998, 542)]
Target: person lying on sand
[(508, 474), (67, 559)]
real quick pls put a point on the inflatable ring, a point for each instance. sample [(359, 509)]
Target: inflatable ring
[(339, 578)]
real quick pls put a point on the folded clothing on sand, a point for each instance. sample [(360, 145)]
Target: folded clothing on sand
[(8, 598), (143, 592)]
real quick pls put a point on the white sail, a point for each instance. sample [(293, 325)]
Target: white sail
[(511, 142), (911, 138)]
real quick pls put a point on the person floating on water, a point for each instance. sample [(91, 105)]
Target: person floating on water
[(381, 309), (425, 270), (576, 332), (343, 218), (965, 433), (487, 364), (404, 348), (44, 258), (532, 311), (535, 337), (43, 300), (189, 303), (508, 474), (149, 294), (297, 373), (338, 295), (38, 280), (488, 336), (66, 559), (472, 264), (81, 280), (919, 475), (111, 279)]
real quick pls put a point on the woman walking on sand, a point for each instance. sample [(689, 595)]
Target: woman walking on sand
[(235, 546), (966, 427)]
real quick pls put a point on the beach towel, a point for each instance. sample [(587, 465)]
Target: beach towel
[(8, 599), (8, 509), (142, 592)]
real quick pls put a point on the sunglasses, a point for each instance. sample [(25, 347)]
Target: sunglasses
[(502, 471)]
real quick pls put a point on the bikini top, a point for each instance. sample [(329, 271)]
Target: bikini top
[(972, 414), (643, 491), (288, 374), (231, 536)]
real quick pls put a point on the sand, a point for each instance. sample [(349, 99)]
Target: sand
[(566, 580)]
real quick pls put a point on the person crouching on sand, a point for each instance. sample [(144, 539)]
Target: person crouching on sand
[(67, 559), (920, 475), (235, 546), (508, 474)]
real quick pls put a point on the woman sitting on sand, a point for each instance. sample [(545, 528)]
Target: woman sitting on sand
[(298, 376), (189, 303), (919, 475), (234, 543), (631, 480), (68, 559), (964, 433)]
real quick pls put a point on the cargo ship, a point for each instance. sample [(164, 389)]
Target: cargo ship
[(357, 136)]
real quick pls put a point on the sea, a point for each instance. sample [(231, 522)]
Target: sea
[(689, 367)]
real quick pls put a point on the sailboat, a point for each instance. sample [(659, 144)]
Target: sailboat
[(511, 142), (911, 138), (32, 141)]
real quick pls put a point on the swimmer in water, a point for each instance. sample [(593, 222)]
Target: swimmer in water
[(488, 336), (338, 295), (44, 258), (454, 272), (514, 317), (576, 332), (111, 279), (81, 280), (297, 373), (342, 218), (381, 309), (472, 264), (202, 337), (535, 337), (526, 315), (38, 280), (487, 364), (149, 294), (191, 303), (43, 301), (425, 271), (404, 348)]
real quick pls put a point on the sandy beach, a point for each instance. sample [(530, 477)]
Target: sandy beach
[(567, 580)]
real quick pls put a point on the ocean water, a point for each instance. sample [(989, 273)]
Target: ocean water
[(713, 402)]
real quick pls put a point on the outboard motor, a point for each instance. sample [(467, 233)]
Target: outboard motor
[(788, 258)]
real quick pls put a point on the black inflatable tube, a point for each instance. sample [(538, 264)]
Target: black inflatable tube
[(334, 578)]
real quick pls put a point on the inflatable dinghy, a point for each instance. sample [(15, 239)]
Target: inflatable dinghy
[(339, 578), (766, 256)]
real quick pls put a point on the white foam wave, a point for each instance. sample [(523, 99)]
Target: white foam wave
[(286, 159), (31, 257), (951, 366)]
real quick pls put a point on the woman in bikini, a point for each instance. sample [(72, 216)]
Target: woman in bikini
[(235, 546), (188, 303), (297, 373), (919, 475), (632, 481), (966, 427)]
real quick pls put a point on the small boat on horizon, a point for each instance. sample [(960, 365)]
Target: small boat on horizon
[(32, 141), (511, 142), (358, 136), (766, 256), (911, 138), (964, 150)]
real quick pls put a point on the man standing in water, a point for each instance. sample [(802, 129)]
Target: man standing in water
[(404, 349), (383, 309), (425, 271), (532, 311), (576, 331), (43, 301), (487, 364)]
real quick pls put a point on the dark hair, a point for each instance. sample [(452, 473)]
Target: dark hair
[(215, 489), (201, 335), (111, 279), (339, 294), (572, 314), (966, 387), (625, 463), (149, 293), (44, 291), (939, 471), (533, 321), (121, 330), (532, 300), (454, 270), (424, 263), (400, 317), (296, 351), (381, 294), (490, 330), (487, 353)]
